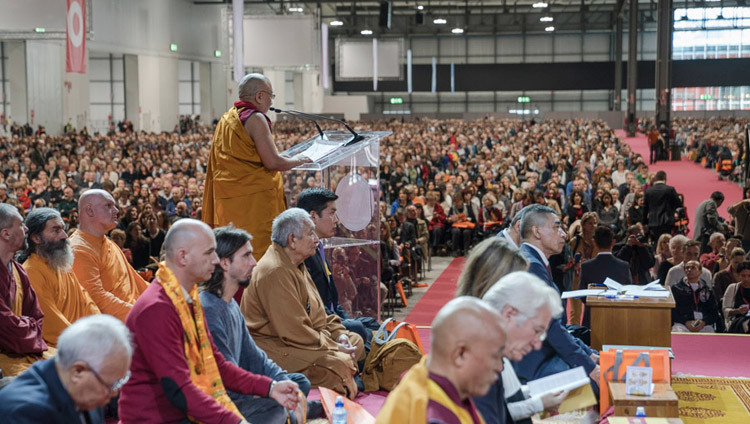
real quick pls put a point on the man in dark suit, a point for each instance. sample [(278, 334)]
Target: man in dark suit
[(597, 269), (659, 205), (320, 203), (92, 364), (707, 220), (543, 237)]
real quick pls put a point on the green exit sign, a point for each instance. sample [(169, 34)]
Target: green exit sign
[(397, 100), (706, 97), (523, 99)]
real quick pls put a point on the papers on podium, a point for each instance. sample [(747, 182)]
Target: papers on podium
[(575, 381), (614, 289)]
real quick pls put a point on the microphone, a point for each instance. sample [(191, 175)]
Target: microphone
[(320, 131), (356, 137)]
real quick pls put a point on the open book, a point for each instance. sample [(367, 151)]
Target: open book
[(574, 381)]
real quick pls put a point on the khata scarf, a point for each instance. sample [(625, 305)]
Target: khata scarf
[(200, 358), (246, 109)]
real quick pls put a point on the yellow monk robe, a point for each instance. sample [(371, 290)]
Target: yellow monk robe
[(21, 319), (103, 270), (62, 298), (417, 398), (239, 189)]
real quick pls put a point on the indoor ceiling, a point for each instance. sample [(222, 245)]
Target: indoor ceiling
[(473, 17)]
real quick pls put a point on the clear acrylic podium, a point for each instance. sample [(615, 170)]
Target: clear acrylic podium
[(352, 172)]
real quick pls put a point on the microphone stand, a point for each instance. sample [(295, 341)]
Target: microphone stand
[(356, 137)]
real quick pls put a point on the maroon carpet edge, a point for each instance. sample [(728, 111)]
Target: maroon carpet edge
[(439, 293)]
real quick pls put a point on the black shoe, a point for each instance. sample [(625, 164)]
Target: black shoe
[(314, 409)]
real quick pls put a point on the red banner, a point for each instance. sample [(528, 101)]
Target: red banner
[(75, 54)]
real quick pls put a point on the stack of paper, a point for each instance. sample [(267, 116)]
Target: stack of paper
[(652, 289)]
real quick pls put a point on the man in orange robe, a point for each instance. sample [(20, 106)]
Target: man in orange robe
[(100, 265), (49, 264), (243, 178)]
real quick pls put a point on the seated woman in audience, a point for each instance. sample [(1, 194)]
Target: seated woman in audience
[(463, 223), (576, 208), (737, 302), (138, 245), (675, 258), (608, 214), (662, 253), (695, 308), (490, 217), (435, 217)]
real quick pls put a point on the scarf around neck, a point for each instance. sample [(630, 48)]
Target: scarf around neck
[(204, 372), (246, 109)]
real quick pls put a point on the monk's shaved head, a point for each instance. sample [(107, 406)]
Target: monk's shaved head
[(91, 196), (97, 212), (461, 320), (183, 234), (466, 345)]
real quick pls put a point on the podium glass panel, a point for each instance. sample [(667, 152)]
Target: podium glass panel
[(352, 172)]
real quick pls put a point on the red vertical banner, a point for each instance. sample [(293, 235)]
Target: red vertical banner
[(75, 54)]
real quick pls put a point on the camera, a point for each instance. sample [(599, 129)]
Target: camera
[(641, 238)]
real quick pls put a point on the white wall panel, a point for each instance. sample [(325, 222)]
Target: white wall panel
[(567, 44), (293, 42), (44, 61), (482, 46), (452, 50), (510, 45), (423, 49), (539, 45)]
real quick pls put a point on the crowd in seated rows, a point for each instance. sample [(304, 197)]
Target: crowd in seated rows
[(558, 195)]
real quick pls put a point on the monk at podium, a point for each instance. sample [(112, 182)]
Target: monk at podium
[(243, 178)]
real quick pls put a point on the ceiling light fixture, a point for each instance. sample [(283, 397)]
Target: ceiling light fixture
[(539, 5), (546, 19), (420, 7), (337, 23), (457, 30), (439, 21), (295, 9), (366, 32), (549, 29)]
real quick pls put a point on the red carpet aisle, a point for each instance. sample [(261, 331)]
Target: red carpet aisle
[(439, 293), (719, 355), (693, 181)]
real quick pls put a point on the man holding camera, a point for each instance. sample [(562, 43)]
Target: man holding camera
[(637, 253)]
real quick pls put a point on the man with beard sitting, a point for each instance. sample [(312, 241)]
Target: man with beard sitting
[(49, 262)]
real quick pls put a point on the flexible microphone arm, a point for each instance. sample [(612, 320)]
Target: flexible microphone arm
[(356, 137), (320, 131)]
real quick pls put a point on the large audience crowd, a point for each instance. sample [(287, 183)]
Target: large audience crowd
[(447, 187)]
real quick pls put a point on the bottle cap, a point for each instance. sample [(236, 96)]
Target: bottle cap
[(640, 411)]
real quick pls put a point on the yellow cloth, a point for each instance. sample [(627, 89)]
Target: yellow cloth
[(287, 319), (15, 364), (103, 270), (62, 299), (712, 400), (198, 351), (408, 402), (239, 189)]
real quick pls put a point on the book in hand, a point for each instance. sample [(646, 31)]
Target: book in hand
[(574, 381)]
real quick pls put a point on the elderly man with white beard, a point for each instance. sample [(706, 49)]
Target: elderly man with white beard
[(49, 262)]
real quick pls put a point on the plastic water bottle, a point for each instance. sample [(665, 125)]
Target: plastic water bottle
[(339, 413), (640, 412)]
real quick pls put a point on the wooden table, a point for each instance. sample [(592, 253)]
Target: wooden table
[(662, 403), (642, 321)]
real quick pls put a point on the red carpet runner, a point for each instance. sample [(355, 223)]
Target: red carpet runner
[(692, 180), (439, 293)]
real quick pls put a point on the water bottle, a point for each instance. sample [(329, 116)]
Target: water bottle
[(339, 413), (640, 412)]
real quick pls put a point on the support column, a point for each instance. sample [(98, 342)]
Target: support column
[(158, 95), (132, 100), (16, 74), (663, 80), (205, 89), (44, 84), (75, 98), (618, 62), (632, 65), (223, 90)]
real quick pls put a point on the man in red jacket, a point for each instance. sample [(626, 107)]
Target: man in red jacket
[(177, 372)]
